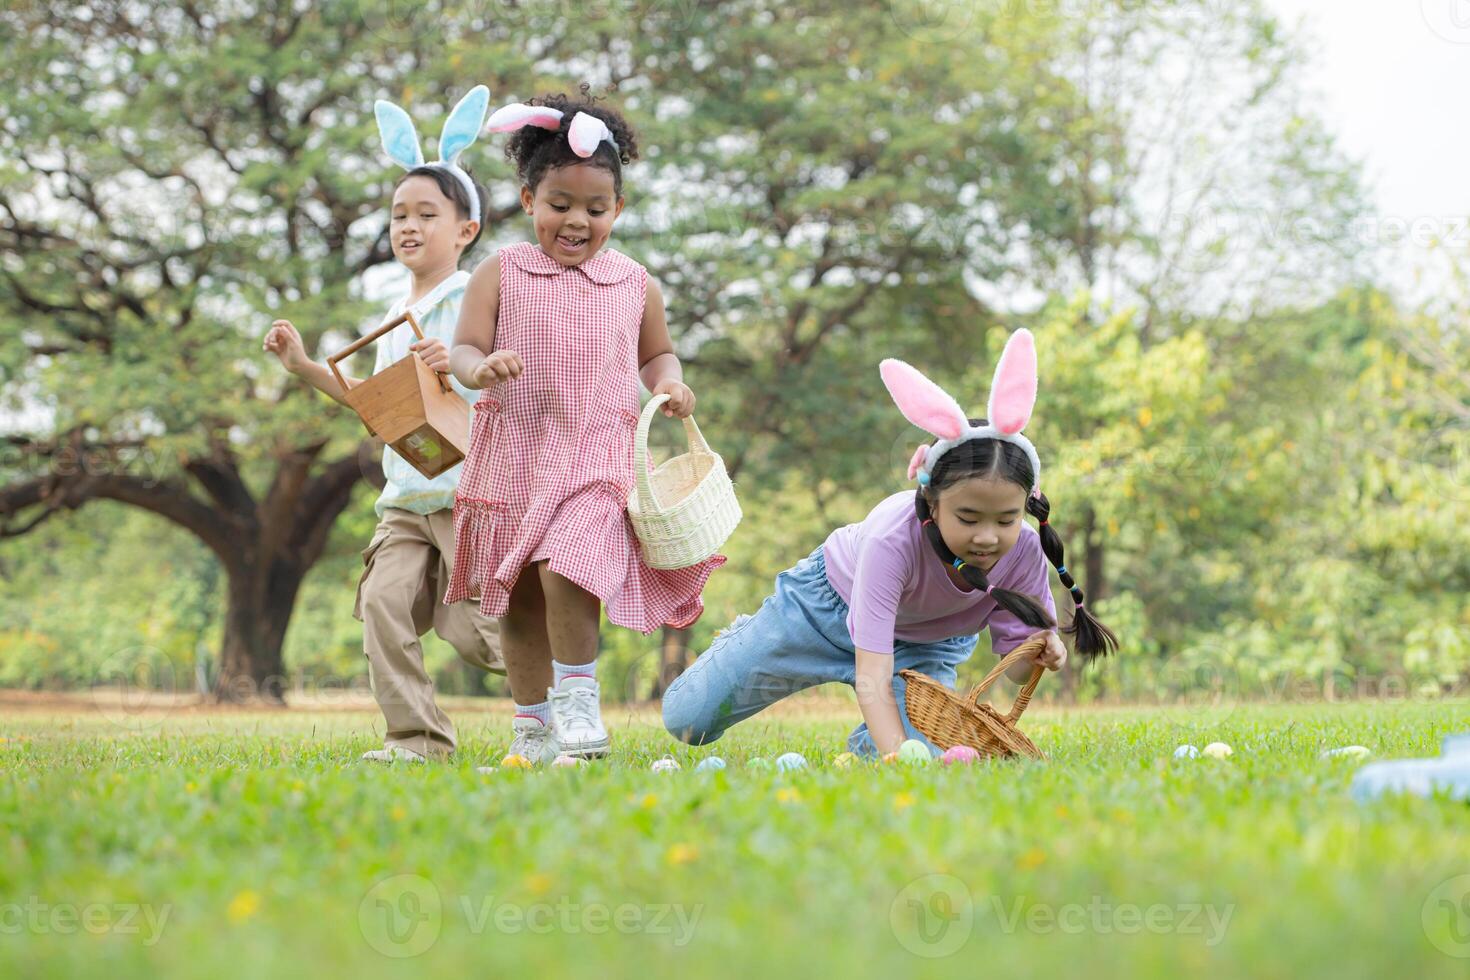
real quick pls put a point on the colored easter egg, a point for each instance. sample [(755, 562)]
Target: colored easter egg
[(959, 755), (515, 762), (845, 761), (565, 761), (1186, 752), (791, 761), (1218, 750), (764, 765), (712, 764), (914, 753), (1353, 752), (666, 764)]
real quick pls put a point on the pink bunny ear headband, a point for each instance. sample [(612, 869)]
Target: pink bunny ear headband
[(584, 134), (1012, 396)]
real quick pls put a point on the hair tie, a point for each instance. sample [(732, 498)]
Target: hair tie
[(927, 522), (1061, 569), (1043, 524)]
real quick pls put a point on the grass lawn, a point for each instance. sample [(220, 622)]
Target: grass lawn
[(224, 844)]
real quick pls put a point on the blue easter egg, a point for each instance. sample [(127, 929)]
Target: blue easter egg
[(790, 761)]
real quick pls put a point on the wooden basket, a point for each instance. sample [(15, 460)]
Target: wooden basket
[(410, 406), (948, 719), (684, 511)]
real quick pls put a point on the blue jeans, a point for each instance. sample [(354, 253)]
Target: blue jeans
[(796, 640)]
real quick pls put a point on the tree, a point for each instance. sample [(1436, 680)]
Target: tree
[(823, 186), (202, 166)]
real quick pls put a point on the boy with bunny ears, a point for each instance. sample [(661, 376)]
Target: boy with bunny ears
[(436, 215), (913, 584)]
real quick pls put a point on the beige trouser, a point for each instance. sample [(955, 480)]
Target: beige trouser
[(399, 597)]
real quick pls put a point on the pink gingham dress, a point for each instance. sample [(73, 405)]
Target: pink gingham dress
[(550, 464)]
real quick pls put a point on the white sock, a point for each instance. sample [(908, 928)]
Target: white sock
[(541, 712), (561, 671)]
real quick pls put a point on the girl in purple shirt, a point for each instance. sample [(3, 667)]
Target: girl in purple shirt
[(913, 584)]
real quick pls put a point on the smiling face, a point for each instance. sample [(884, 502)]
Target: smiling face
[(573, 209), (979, 518), (425, 228)]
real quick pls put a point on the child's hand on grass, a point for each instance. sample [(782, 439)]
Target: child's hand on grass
[(1055, 653), (681, 399), (284, 341), (433, 352), (499, 366)]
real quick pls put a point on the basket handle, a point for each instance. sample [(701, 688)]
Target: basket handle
[(647, 501), (1026, 651), (363, 341)]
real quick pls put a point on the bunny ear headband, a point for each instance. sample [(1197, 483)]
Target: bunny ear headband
[(401, 142), (1012, 396), (584, 134)]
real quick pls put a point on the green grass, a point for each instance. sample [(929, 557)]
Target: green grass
[(269, 850)]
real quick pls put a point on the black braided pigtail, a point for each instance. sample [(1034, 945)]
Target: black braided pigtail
[(1089, 635), (1025, 608)]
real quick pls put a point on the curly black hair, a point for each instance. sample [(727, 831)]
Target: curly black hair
[(534, 150)]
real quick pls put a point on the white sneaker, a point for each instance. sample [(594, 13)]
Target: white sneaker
[(535, 742), (576, 712), (393, 753)]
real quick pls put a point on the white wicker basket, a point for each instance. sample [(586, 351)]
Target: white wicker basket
[(684, 511)]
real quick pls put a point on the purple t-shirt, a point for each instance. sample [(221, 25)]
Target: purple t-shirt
[(896, 587)]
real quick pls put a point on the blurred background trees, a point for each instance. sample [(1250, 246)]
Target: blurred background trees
[(1257, 458)]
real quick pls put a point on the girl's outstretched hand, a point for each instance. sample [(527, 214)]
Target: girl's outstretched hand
[(499, 366), (1055, 654), (283, 340), (681, 399)]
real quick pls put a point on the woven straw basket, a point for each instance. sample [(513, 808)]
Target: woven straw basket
[(684, 511), (948, 719)]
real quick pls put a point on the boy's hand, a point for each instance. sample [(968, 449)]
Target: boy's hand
[(499, 366), (1055, 654), (284, 341), (681, 399), (433, 352)]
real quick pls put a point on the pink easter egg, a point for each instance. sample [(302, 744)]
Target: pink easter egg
[(961, 754)]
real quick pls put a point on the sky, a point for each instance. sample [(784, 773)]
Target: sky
[(1393, 82)]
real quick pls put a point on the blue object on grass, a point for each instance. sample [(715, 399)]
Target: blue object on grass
[(1448, 774)]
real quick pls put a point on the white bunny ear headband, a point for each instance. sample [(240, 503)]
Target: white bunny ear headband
[(1012, 396), (584, 134), (462, 128)]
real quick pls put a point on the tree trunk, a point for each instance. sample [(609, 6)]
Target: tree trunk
[(673, 657), (1091, 583), (1092, 567), (1095, 551), (251, 668)]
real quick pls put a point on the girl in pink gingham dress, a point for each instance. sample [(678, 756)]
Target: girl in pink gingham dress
[(558, 333)]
